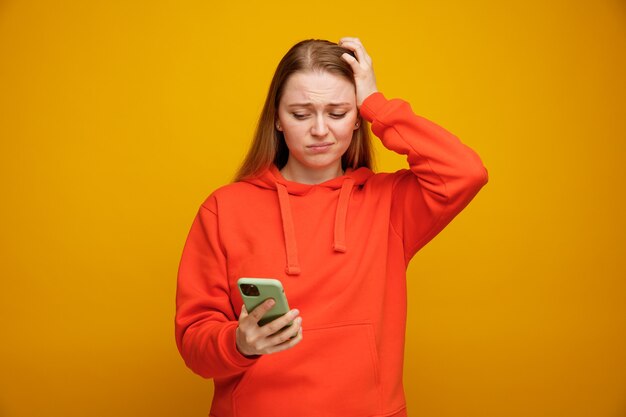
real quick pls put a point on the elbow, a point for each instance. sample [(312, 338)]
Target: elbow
[(475, 177), (195, 362), (472, 181), (480, 177), (201, 371), (190, 352)]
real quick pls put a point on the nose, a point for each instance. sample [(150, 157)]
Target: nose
[(319, 128)]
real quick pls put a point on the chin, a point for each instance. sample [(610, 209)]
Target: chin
[(324, 165)]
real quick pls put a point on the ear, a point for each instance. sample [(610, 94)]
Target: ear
[(357, 124), (278, 126)]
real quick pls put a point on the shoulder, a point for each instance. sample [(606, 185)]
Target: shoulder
[(387, 179), (236, 192)]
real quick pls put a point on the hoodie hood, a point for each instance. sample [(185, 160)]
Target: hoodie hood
[(272, 179)]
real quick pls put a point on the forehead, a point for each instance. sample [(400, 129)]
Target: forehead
[(317, 87)]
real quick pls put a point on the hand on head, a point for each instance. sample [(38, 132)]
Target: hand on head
[(364, 77)]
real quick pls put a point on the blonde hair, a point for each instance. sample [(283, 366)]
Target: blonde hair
[(268, 144)]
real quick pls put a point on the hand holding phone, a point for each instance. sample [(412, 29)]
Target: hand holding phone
[(256, 290), (266, 325)]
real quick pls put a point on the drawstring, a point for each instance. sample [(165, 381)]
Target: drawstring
[(293, 266), (339, 245)]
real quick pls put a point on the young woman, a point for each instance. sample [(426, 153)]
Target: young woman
[(307, 209)]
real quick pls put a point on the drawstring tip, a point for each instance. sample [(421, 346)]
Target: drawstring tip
[(292, 270), (339, 247)]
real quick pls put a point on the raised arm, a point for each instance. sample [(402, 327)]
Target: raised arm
[(444, 174)]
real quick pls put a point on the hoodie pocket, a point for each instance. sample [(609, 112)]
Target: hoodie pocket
[(333, 371)]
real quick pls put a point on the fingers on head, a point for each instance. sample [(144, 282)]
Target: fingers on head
[(349, 39), (352, 44), (349, 59), (359, 52)]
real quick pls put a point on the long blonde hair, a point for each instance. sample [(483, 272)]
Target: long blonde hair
[(268, 144)]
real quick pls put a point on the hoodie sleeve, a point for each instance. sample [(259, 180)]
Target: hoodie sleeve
[(444, 174), (205, 322)]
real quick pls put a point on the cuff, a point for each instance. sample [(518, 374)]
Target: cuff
[(372, 105), (231, 351)]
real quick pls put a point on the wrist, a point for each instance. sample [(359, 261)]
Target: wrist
[(372, 105), (366, 94), (240, 349)]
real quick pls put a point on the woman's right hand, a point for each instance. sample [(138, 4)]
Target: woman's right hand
[(253, 339)]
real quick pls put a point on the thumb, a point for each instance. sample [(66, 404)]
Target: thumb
[(244, 312)]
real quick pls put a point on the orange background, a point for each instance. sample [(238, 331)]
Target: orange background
[(118, 118)]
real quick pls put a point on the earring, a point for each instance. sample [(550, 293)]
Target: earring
[(277, 126), (356, 125)]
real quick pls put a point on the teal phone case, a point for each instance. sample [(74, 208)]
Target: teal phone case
[(265, 288)]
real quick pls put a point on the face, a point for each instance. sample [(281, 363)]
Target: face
[(317, 114)]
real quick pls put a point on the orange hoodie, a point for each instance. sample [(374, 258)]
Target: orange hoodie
[(341, 249)]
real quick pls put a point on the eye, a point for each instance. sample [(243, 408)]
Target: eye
[(300, 116), (338, 115)]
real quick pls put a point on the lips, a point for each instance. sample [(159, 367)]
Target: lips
[(320, 147)]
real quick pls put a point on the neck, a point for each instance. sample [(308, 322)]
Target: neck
[(304, 175)]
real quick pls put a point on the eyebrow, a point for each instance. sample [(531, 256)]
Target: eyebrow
[(311, 104)]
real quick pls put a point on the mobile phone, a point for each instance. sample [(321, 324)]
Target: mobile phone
[(256, 290)]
